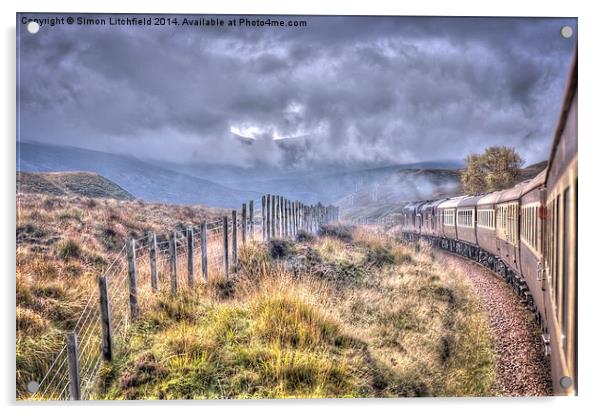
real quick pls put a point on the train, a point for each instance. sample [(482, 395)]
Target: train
[(527, 234)]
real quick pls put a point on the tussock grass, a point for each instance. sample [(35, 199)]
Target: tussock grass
[(348, 314), (402, 326), (63, 244), (69, 249)]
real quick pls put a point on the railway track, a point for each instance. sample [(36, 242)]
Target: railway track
[(521, 366)]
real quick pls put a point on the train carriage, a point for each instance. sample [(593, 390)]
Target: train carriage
[(466, 219), (531, 234), (466, 226), (447, 211), (507, 225), (428, 211), (527, 234), (411, 219), (560, 244), (486, 228)]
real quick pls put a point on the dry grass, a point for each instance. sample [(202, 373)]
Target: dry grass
[(349, 314), (63, 244), (404, 327)]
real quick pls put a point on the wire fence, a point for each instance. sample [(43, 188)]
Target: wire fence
[(187, 256)]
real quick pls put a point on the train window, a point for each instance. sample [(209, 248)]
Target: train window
[(465, 218), (507, 222), (500, 221), (566, 221), (556, 236), (513, 223), (485, 218), (575, 291), (529, 226), (449, 217)]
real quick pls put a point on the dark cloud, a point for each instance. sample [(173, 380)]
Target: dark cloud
[(354, 90)]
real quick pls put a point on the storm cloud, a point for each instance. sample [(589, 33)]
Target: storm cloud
[(340, 91)]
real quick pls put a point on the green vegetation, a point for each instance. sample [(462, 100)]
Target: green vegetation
[(63, 244), (346, 314), (496, 169), (363, 318), (69, 249)]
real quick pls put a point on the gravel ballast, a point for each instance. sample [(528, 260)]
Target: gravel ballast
[(522, 369)]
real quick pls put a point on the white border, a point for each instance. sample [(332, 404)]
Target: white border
[(590, 72)]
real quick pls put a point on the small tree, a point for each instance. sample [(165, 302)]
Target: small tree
[(497, 168)]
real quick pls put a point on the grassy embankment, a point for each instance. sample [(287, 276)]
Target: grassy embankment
[(63, 244), (350, 314)]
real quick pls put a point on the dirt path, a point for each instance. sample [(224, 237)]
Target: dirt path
[(522, 369)]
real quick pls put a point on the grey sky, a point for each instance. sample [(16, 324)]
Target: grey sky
[(352, 90)]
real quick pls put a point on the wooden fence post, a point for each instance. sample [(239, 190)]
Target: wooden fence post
[(273, 218), (276, 212), (294, 219), (285, 219), (73, 366), (204, 263), (225, 231), (263, 217), (308, 214), (281, 211), (282, 221), (132, 276), (105, 320), (173, 261), (304, 217), (268, 217), (190, 245), (243, 223), (288, 218), (152, 254), (277, 217), (251, 219), (234, 241)]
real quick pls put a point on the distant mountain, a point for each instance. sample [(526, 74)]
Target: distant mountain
[(218, 185), (531, 171), (70, 183), (144, 180), (327, 184)]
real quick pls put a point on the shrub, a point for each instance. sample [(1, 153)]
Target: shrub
[(69, 249), (32, 230), (94, 258), (280, 249), (288, 321), (30, 323), (338, 231), (379, 256), (71, 213), (109, 237), (305, 237)]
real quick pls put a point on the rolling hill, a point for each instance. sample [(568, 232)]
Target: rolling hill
[(70, 183), (326, 185), (142, 179)]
